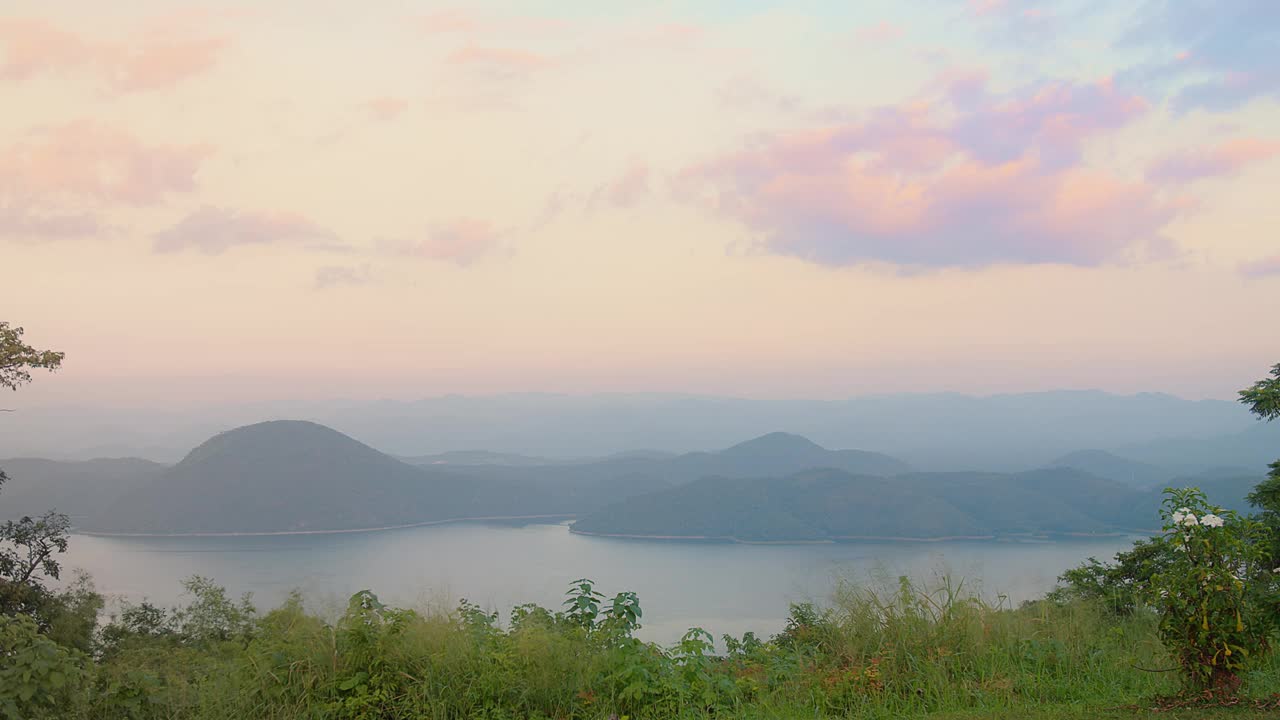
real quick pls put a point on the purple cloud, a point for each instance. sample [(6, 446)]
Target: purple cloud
[(1263, 267), (1224, 159), (624, 191), (331, 276), (971, 178), (24, 224), (214, 230), (461, 242)]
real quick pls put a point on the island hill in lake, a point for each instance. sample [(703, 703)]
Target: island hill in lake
[(290, 476)]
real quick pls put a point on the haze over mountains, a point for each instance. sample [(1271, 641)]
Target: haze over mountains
[(297, 476), (930, 431)]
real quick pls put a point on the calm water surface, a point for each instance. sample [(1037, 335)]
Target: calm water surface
[(721, 587)]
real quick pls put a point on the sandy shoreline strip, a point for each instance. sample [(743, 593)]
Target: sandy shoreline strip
[(826, 541), (487, 518), (701, 538)]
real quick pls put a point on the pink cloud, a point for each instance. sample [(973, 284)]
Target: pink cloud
[(386, 107), (214, 230), (976, 181), (626, 190), (83, 160), (53, 180), (1055, 118), (160, 63), (152, 60), (33, 46), (1225, 159), (1262, 267), (26, 224), (462, 242)]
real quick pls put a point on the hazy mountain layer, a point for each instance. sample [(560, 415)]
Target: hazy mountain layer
[(931, 431), (834, 505), (76, 488)]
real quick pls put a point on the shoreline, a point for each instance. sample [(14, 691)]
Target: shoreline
[(699, 538), (626, 536), (269, 533), (850, 538)]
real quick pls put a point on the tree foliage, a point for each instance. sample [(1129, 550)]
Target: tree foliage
[(18, 359), (28, 546), (1263, 399)]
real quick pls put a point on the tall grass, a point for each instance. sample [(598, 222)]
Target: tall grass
[(875, 651)]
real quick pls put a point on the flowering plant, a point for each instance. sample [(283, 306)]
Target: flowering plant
[(1216, 595)]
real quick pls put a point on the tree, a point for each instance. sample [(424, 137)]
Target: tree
[(1263, 399), (28, 546), (27, 560), (18, 359)]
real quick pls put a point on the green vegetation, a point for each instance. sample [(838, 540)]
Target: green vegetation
[(18, 359), (901, 651)]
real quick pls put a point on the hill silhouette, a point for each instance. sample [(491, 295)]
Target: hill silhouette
[(77, 489), (290, 476), (1105, 464), (293, 476), (284, 476), (837, 505)]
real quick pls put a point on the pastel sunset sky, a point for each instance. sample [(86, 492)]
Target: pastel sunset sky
[(303, 199)]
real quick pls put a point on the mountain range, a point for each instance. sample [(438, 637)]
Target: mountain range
[(298, 476), (835, 505), (931, 431)]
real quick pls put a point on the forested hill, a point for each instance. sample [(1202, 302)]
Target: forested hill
[(285, 476), (835, 505), (77, 489), (289, 476)]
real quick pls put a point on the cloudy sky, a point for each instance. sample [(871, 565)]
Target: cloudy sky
[(809, 199)]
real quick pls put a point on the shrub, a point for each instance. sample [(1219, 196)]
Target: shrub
[(38, 677), (1216, 594)]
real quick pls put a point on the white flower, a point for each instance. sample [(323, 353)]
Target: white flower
[(1176, 516), (1211, 520), (1189, 520)]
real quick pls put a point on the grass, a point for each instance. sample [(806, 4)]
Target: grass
[(902, 651)]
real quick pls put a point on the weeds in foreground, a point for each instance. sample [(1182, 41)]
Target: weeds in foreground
[(903, 651)]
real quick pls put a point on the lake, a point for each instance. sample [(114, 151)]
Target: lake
[(724, 588)]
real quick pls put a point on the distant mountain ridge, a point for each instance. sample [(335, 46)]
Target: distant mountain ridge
[(299, 476), (833, 505), (1109, 465), (836, 505), (932, 431), (78, 489)]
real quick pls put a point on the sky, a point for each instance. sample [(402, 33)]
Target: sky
[(248, 201)]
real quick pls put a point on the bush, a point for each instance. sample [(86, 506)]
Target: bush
[(1215, 597), (38, 677)]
